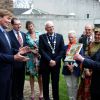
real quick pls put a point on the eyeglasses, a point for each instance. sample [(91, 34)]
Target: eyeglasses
[(16, 24)]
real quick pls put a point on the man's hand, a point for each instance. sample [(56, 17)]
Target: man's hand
[(19, 57), (24, 50), (52, 63), (78, 57)]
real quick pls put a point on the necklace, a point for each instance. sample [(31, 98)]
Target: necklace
[(54, 44)]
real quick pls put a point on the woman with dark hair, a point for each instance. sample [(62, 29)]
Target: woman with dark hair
[(32, 39)]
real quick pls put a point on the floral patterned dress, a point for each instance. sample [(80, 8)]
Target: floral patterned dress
[(34, 59)]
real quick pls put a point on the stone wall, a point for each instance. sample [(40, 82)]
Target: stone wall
[(63, 24), (6, 4)]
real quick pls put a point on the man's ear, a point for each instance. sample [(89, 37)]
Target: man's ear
[(0, 17)]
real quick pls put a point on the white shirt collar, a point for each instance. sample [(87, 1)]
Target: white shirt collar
[(15, 31), (51, 35)]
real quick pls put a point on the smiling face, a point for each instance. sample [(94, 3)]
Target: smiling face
[(97, 36), (5, 21), (72, 38), (88, 30), (5, 18), (49, 27), (16, 25), (30, 28)]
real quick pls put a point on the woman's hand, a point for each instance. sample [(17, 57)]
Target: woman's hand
[(87, 72), (35, 51), (70, 67)]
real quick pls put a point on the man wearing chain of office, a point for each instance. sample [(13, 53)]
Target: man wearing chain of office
[(51, 50)]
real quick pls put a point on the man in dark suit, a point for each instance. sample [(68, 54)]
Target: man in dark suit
[(87, 37), (94, 64), (6, 55), (51, 49), (17, 41)]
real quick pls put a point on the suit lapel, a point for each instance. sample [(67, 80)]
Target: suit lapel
[(15, 39), (4, 38), (2, 35), (57, 40), (45, 37), (46, 41), (23, 37)]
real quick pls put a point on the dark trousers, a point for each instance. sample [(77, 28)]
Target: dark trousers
[(18, 83), (95, 96), (54, 71), (5, 89)]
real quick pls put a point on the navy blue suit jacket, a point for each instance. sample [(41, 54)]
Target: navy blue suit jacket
[(46, 52), (6, 58), (94, 62), (15, 45)]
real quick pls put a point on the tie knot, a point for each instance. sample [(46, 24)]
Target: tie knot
[(50, 37), (88, 38), (18, 32)]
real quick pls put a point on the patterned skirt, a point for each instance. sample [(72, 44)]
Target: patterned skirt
[(84, 89), (32, 63)]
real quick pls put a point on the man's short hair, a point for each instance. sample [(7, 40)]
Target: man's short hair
[(4, 12), (49, 23), (89, 26), (13, 20)]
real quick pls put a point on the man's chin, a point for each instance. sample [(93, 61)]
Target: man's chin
[(88, 35)]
